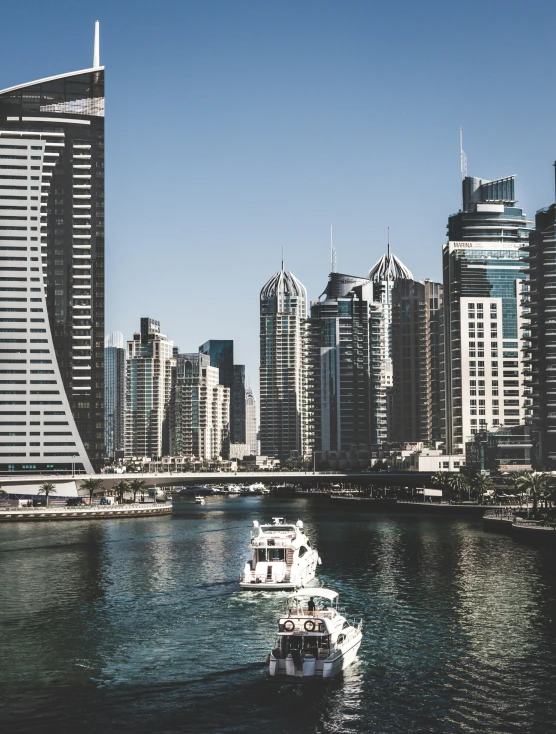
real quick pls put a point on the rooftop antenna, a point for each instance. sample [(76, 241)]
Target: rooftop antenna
[(96, 52), (282, 258), (388, 244), (462, 156), (333, 259)]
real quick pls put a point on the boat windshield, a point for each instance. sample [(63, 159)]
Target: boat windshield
[(278, 529)]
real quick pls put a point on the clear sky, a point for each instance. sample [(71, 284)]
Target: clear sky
[(235, 128)]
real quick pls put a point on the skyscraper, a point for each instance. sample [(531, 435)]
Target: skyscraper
[(52, 285), (339, 366), (483, 284), (200, 409), (149, 368), (540, 334), (384, 275), (232, 376), (114, 394), (417, 362), (237, 405), (283, 315), (251, 421)]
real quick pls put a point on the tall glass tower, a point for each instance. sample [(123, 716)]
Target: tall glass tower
[(483, 285), (114, 394), (340, 367), (283, 316), (52, 272)]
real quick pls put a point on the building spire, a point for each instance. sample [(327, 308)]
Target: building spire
[(96, 51), (388, 244), (462, 156), (282, 258), (333, 259)]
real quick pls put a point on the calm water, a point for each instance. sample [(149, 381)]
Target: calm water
[(138, 626)]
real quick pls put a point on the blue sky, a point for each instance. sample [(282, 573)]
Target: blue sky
[(235, 128)]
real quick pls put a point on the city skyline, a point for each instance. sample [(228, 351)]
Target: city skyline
[(319, 130)]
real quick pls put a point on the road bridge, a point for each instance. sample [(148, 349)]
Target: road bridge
[(176, 479)]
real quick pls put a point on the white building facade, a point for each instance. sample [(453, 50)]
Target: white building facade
[(200, 409), (149, 368)]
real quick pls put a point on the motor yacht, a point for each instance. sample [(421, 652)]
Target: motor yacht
[(258, 487), (281, 557), (314, 639), (234, 490), (199, 500)]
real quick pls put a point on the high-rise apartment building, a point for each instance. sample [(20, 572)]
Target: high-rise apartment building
[(283, 315), (417, 362), (339, 371), (251, 421), (540, 332), (483, 284), (232, 376), (114, 394), (384, 275), (52, 272), (149, 368), (200, 409)]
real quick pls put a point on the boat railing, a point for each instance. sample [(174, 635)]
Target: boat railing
[(499, 513)]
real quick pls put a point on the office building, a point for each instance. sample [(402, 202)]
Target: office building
[(283, 316), (417, 362), (483, 317), (200, 409), (232, 376), (52, 272), (149, 368), (251, 422), (384, 275), (340, 381), (114, 395), (237, 406), (540, 333)]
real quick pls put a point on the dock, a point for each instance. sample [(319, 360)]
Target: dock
[(110, 512)]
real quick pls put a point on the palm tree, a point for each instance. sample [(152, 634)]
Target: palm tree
[(137, 485), (458, 483), (47, 488), (534, 485), (120, 488), (483, 485), (91, 486)]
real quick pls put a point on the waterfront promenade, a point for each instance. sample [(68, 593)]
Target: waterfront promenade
[(31, 514)]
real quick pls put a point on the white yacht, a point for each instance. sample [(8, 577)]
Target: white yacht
[(199, 500), (314, 642), (281, 557), (257, 487)]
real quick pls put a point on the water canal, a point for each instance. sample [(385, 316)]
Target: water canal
[(138, 626)]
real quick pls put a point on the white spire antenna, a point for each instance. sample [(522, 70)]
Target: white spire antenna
[(462, 156), (333, 259), (96, 51)]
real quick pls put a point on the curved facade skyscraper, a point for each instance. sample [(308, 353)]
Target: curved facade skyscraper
[(52, 273), (283, 304)]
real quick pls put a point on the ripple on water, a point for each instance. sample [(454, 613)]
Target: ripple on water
[(141, 626)]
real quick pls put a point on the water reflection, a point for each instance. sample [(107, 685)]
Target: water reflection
[(141, 624)]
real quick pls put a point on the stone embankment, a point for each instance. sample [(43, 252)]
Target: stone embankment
[(97, 512)]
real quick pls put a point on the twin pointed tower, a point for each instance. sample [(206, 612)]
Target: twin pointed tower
[(327, 377)]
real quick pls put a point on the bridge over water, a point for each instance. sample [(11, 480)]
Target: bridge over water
[(10, 482)]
